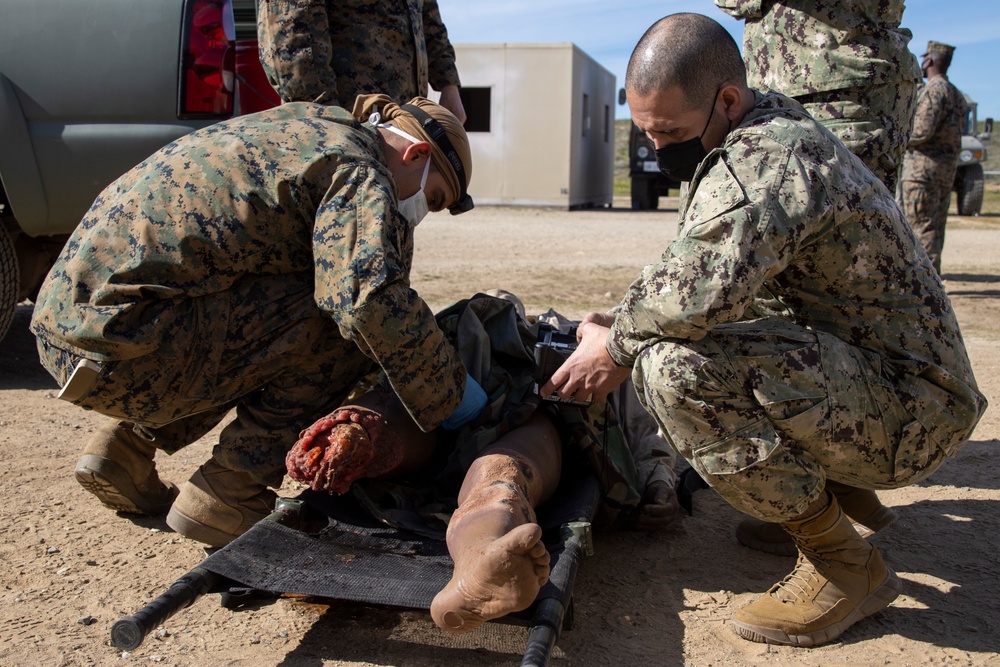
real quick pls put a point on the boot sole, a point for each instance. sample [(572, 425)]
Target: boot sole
[(876, 521), (196, 530), (878, 600), (110, 484)]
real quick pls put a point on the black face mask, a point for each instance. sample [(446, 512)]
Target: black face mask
[(679, 161)]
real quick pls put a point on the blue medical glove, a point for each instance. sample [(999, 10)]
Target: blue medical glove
[(473, 402)]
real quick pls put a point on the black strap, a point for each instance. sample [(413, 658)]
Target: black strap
[(437, 133)]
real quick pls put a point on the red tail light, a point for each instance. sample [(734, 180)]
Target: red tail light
[(205, 88)]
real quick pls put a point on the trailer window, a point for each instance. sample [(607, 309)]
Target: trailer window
[(477, 108)]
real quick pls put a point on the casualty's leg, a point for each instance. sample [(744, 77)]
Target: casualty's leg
[(500, 560)]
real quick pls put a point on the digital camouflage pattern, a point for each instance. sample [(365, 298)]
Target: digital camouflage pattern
[(258, 261), (872, 121), (926, 207), (795, 327), (332, 51), (847, 63), (931, 161), (946, 50), (798, 47), (936, 138)]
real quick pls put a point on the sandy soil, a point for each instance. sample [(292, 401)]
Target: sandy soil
[(70, 568)]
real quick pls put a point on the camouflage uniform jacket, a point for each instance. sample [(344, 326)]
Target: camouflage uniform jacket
[(799, 47), (300, 194), (936, 140), (331, 51), (783, 220)]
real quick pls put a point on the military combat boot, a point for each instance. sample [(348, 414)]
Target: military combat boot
[(117, 467), (217, 505), (838, 580), (861, 505)]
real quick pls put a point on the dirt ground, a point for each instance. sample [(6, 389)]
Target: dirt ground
[(70, 568)]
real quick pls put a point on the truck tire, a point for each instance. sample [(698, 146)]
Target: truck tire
[(8, 282), (644, 194), (969, 187)]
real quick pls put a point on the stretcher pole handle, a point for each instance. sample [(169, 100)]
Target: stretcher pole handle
[(550, 613), (127, 633), (543, 633)]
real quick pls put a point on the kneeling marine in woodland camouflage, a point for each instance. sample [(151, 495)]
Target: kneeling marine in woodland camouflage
[(260, 264)]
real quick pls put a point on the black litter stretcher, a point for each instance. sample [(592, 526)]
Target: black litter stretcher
[(356, 558)]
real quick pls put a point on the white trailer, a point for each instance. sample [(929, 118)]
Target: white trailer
[(541, 124)]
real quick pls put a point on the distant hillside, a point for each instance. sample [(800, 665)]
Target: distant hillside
[(622, 128)]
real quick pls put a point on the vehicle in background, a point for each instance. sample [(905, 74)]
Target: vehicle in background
[(253, 91), (90, 89), (648, 184), (969, 177)]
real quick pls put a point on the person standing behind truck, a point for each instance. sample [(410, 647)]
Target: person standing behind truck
[(330, 52), (847, 63), (931, 158)]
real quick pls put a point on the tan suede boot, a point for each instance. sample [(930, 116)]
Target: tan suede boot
[(838, 580), (861, 505), (117, 467), (218, 505)]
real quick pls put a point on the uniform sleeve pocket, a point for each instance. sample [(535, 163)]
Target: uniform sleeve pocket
[(707, 204)]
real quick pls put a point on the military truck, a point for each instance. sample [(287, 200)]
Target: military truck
[(648, 184), (969, 177), (90, 89)]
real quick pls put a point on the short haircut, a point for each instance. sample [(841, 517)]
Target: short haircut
[(690, 51)]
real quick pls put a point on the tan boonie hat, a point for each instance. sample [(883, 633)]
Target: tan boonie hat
[(420, 117), (940, 47)]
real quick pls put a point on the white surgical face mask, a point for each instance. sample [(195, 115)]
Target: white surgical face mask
[(414, 208)]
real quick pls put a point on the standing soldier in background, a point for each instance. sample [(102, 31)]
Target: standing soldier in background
[(330, 51), (931, 158), (847, 63)]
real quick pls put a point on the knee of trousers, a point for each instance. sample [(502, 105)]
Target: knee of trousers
[(256, 451), (696, 399)]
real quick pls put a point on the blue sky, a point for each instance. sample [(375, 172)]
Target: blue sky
[(607, 30)]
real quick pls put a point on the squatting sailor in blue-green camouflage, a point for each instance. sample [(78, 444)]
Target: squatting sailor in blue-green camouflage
[(794, 335)]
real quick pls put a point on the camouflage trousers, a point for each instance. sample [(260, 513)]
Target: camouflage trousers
[(872, 121), (275, 358), (766, 411), (926, 208)]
